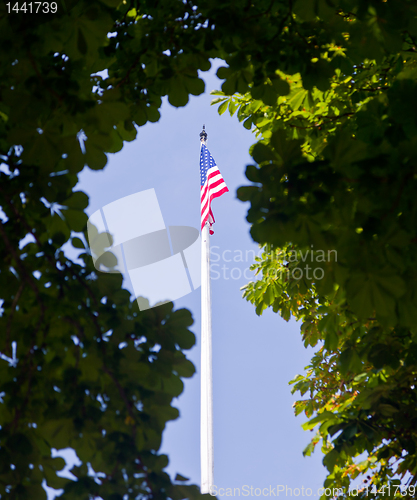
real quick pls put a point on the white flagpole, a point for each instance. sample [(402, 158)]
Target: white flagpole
[(206, 417)]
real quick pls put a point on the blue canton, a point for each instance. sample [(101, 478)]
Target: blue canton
[(206, 162)]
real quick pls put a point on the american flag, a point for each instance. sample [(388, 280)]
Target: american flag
[(212, 186)]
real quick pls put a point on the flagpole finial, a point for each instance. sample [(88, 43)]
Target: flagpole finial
[(203, 135)]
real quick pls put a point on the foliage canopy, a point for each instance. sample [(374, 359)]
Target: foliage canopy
[(80, 367), (330, 88), (333, 199)]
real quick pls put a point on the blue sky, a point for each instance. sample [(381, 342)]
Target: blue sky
[(257, 440)]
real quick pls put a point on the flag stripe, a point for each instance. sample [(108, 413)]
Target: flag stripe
[(214, 193), (211, 187), (207, 212)]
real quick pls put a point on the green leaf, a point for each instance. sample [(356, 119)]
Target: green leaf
[(107, 259), (178, 477), (20, 443), (331, 459), (350, 361), (81, 42), (58, 228), (94, 157), (308, 450), (296, 98), (288, 150), (77, 220), (387, 410), (185, 338), (280, 86), (98, 242), (269, 295), (77, 242), (178, 94), (262, 153), (185, 368), (78, 200), (248, 123), (222, 108), (382, 355), (324, 416), (223, 72), (33, 491)]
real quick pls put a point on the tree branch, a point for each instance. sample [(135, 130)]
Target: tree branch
[(9, 322), (20, 266)]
